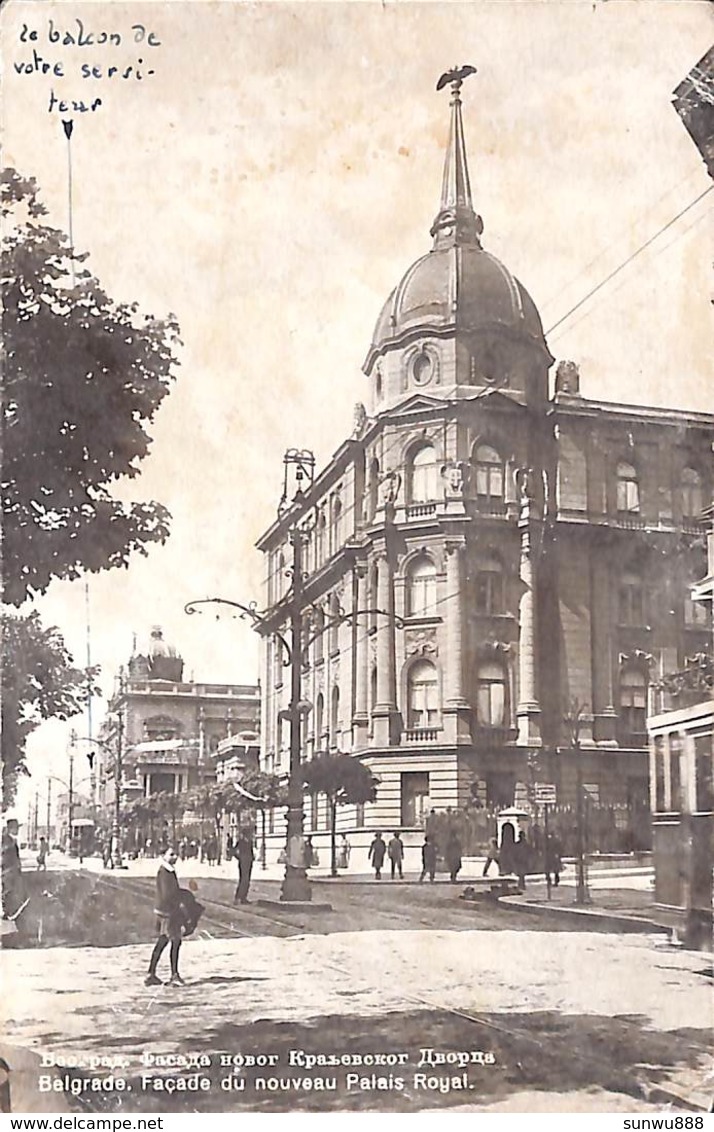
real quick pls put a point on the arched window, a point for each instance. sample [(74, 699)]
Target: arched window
[(336, 528), (319, 721), (320, 533), (489, 585), (422, 696), (632, 598), (489, 473), (318, 623), (423, 485), (335, 717), (334, 630), (491, 694), (633, 701), (421, 588), (691, 489), (628, 488)]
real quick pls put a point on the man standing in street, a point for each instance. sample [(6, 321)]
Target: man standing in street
[(168, 920), (243, 852), (12, 886), (376, 855), (396, 855)]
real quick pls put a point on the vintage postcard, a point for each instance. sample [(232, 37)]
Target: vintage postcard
[(357, 557)]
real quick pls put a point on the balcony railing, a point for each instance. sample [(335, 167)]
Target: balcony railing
[(422, 734), (420, 510)]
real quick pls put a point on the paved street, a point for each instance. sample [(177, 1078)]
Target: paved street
[(593, 1019)]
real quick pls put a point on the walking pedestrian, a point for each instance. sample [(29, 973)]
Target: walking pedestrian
[(453, 856), (343, 853), (168, 920), (395, 851), (553, 859), (492, 856), (377, 851), (42, 854), (428, 859), (244, 854)]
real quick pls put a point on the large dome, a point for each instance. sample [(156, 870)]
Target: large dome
[(461, 287), (457, 287)]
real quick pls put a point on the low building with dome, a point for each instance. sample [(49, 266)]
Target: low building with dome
[(174, 732), (516, 556)]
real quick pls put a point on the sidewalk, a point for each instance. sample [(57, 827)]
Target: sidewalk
[(617, 909), (605, 875)]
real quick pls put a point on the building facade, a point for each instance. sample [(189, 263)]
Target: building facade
[(509, 558), (169, 729)]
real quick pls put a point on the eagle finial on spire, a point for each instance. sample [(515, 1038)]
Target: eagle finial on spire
[(455, 76)]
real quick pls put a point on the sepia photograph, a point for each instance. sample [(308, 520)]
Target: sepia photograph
[(357, 557)]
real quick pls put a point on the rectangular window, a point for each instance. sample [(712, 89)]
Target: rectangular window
[(489, 592), (628, 496), (414, 797), (491, 704), (632, 605)]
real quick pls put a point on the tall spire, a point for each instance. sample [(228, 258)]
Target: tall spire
[(456, 222)]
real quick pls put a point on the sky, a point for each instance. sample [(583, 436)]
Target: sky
[(270, 183)]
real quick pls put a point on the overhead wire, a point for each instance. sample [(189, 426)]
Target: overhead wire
[(615, 240), (610, 294), (638, 251)]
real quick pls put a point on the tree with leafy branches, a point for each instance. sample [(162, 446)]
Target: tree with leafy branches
[(344, 780), (39, 682), (82, 378)]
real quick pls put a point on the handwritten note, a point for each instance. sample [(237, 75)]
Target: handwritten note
[(79, 63)]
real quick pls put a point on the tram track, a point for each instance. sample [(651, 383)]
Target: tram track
[(215, 914), (146, 890)]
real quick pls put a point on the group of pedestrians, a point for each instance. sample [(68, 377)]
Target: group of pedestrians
[(516, 856), (394, 852)]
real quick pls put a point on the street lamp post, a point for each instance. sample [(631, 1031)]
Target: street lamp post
[(296, 884)]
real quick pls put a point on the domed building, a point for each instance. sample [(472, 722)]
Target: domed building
[(488, 589), (173, 732)]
